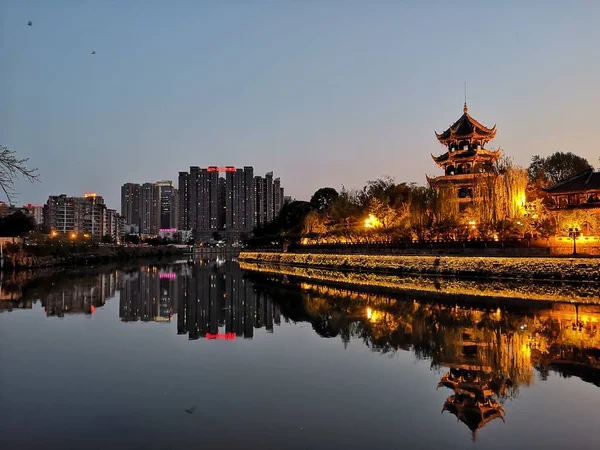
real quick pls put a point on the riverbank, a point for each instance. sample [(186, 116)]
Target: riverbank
[(81, 256), (431, 288), (586, 269)]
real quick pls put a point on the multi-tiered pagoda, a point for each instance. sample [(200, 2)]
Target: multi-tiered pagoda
[(466, 158)]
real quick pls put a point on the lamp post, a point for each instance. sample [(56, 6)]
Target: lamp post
[(574, 234)]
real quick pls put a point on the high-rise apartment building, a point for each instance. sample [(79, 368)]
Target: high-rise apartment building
[(229, 205), (184, 201), (130, 203), (114, 224), (240, 200), (268, 197), (150, 206), (76, 214)]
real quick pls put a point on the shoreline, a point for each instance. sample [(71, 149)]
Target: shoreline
[(96, 257), (431, 288), (488, 267)]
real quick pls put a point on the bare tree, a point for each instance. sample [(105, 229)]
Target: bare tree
[(11, 168)]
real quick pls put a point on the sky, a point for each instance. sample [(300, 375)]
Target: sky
[(322, 92)]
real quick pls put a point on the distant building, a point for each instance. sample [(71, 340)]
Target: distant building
[(35, 211), (150, 206), (184, 201), (130, 203), (5, 209), (229, 205), (79, 215), (114, 224), (168, 218)]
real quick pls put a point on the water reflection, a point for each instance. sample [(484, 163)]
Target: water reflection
[(485, 353), (211, 299), (59, 294)]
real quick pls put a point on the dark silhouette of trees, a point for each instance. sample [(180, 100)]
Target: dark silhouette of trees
[(131, 239), (555, 168), (16, 224), (323, 198)]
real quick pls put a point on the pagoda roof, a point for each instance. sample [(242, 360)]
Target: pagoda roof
[(474, 415), (584, 181), (466, 127), (468, 155)]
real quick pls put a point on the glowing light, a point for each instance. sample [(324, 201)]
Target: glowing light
[(372, 222), (90, 195), (221, 169), (167, 276), (221, 336), (369, 313), (73, 235), (54, 233)]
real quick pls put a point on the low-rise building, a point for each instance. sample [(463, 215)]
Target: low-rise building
[(580, 191)]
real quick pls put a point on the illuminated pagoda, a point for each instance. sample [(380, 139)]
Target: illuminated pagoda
[(466, 158), (473, 402)]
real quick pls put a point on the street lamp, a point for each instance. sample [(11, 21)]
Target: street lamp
[(574, 234)]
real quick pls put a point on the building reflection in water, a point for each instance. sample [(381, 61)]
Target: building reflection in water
[(59, 295), (216, 301), (210, 299), (82, 297), (485, 354), (149, 294)]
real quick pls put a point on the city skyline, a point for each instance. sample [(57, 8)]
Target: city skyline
[(338, 88)]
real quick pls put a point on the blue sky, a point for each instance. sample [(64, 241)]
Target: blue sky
[(324, 93)]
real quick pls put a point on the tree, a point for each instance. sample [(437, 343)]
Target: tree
[(557, 167), (11, 167), (16, 224), (107, 239), (323, 198), (313, 223), (132, 239)]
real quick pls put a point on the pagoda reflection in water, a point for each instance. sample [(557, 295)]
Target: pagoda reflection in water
[(486, 354)]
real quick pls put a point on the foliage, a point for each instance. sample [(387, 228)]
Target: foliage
[(506, 202), (11, 167), (557, 167), (131, 239), (16, 224), (323, 198), (107, 239)]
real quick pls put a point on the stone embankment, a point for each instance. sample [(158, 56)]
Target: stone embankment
[(586, 269)]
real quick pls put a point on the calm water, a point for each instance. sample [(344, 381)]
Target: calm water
[(210, 356)]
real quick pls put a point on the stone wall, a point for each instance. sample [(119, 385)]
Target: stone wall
[(467, 266)]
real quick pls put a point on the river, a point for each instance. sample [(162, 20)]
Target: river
[(210, 355)]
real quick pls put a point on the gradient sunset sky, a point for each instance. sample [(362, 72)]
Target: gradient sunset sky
[(324, 93)]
